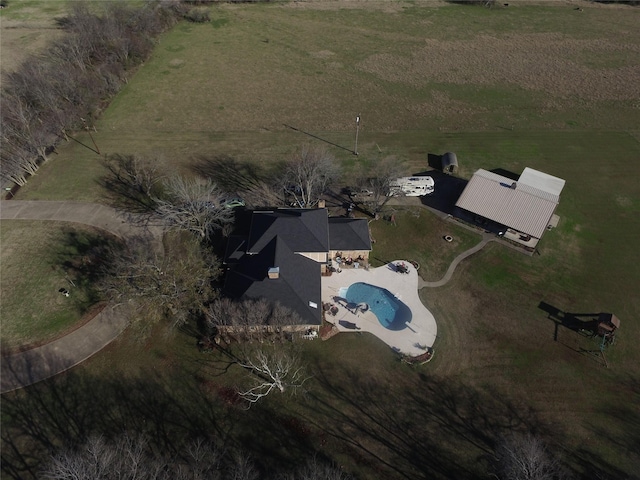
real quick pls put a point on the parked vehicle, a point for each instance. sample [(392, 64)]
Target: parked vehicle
[(412, 186), (358, 192), (232, 202)]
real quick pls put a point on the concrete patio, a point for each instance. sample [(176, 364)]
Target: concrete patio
[(413, 340)]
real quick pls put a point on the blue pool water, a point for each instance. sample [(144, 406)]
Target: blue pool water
[(391, 312)]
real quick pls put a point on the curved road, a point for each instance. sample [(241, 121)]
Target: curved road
[(28, 367)]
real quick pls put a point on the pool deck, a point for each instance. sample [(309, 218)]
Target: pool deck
[(419, 334)]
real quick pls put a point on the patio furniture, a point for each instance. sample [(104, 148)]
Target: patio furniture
[(402, 268)]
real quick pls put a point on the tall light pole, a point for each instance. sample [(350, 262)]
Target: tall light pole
[(355, 150)]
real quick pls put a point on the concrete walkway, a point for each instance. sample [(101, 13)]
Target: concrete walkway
[(25, 368), (421, 330), (486, 238)]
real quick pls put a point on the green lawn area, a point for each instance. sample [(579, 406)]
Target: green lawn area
[(542, 86), (418, 236), (38, 259)]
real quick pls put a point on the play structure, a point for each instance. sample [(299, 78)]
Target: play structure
[(605, 327), (608, 323)]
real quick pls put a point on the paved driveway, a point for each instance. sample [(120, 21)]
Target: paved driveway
[(28, 367)]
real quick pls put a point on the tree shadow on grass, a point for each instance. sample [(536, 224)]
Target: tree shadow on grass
[(83, 256), (619, 430), (428, 428), (231, 174), (70, 408), (129, 185), (169, 409), (256, 184)]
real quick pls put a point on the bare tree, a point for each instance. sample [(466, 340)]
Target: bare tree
[(192, 205), (242, 467), (250, 319), (256, 185), (308, 174), (376, 181), (133, 458), (124, 458), (203, 460), (132, 182), (26, 132), (17, 162), (51, 94), (525, 457), (264, 193), (317, 470), (175, 286), (272, 368)]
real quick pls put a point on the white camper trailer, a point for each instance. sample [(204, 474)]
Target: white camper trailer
[(411, 186)]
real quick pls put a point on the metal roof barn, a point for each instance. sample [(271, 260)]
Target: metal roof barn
[(517, 205), (542, 181)]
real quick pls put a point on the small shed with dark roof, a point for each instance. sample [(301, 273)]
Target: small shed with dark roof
[(449, 163)]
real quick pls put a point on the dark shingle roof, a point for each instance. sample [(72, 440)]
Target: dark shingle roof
[(297, 285), (349, 234), (302, 230), (236, 248)]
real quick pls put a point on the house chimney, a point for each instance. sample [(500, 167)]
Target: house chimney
[(274, 272), (320, 203)]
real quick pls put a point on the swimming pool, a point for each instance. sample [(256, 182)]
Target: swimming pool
[(391, 312)]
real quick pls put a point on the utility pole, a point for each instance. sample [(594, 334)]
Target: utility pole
[(355, 150), (90, 136)]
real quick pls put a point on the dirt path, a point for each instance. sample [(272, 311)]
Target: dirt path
[(25, 368)]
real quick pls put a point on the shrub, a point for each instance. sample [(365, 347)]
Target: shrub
[(198, 15)]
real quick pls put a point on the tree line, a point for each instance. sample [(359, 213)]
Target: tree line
[(131, 457), (64, 89)]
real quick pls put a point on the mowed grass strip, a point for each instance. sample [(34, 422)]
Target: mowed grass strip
[(38, 259)]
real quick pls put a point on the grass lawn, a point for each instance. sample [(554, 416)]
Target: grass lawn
[(38, 259), (543, 86), (229, 87), (418, 236)]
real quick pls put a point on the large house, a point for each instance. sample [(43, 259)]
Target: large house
[(281, 254)]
